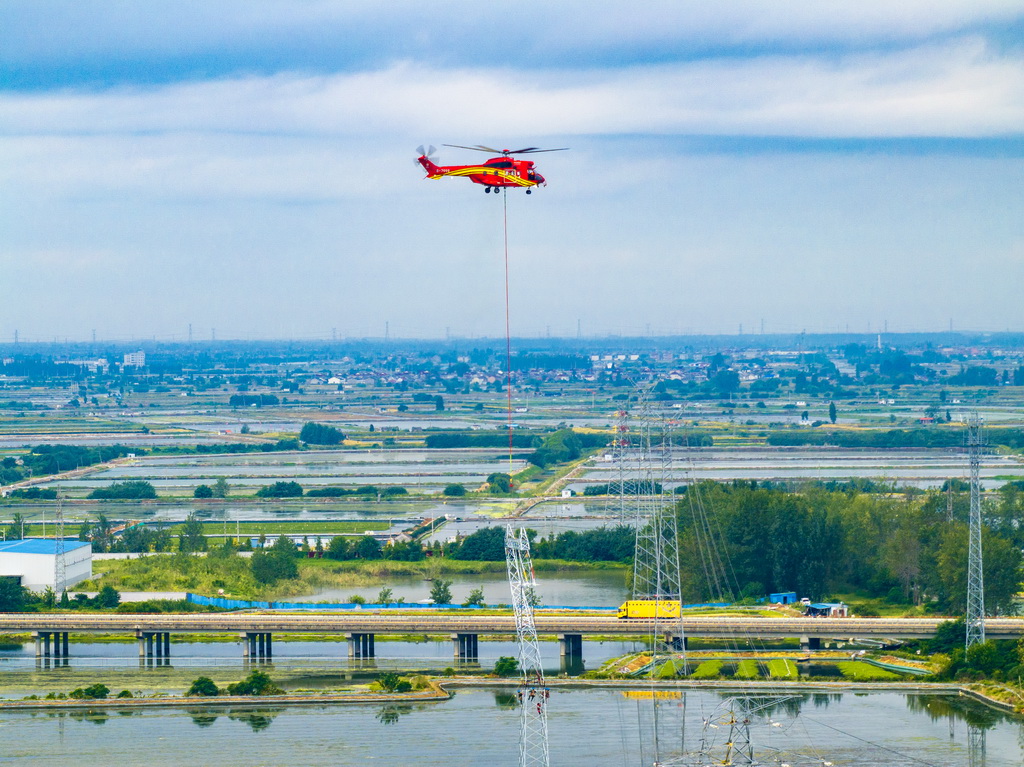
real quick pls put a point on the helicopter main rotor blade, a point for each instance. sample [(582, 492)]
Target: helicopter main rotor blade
[(522, 151), (474, 148), (534, 150)]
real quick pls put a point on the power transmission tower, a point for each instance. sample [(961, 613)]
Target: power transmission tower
[(60, 567), (656, 558), (620, 448), (533, 695), (975, 570)]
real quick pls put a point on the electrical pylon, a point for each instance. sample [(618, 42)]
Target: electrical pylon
[(60, 565), (656, 558), (620, 448), (975, 570), (533, 694)]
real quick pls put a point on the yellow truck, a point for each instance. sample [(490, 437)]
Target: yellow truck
[(649, 608)]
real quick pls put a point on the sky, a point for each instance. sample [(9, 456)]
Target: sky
[(246, 167)]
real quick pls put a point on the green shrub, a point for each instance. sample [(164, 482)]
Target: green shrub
[(257, 683), (125, 694), (92, 692), (506, 666), (204, 687)]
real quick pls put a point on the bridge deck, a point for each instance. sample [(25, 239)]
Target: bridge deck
[(411, 623)]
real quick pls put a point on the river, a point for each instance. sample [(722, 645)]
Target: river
[(594, 727)]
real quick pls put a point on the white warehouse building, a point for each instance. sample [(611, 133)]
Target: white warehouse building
[(34, 562)]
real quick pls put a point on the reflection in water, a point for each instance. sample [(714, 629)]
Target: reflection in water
[(506, 700), (390, 713), (258, 720), (89, 715), (975, 714), (201, 717)]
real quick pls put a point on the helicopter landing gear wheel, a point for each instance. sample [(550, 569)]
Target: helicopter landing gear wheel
[(487, 190), (529, 191)]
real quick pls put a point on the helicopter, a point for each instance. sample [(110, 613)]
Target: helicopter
[(501, 172)]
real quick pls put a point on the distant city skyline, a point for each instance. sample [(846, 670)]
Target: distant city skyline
[(247, 168)]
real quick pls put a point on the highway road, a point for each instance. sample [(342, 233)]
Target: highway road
[(421, 623)]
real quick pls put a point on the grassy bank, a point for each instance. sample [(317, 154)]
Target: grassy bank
[(210, 574)]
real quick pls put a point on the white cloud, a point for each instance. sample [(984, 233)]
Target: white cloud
[(959, 89)]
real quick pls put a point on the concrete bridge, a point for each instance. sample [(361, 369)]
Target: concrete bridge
[(360, 629)]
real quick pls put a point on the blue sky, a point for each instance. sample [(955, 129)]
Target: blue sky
[(247, 166)]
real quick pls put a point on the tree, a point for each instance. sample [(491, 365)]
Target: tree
[(441, 592), (338, 548), (280, 490), (221, 488), (257, 683), (454, 490), (108, 597), (203, 491), (832, 412), (506, 666), (368, 548), (475, 599), (14, 530), (487, 545), (271, 565), (439, 403), (203, 687), (191, 537), (385, 596), (122, 491), (12, 595), (321, 434), (500, 483)]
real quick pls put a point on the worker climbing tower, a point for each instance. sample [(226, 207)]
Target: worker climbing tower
[(975, 570), (533, 694)]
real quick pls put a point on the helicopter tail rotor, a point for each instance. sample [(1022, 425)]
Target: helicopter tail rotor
[(427, 153)]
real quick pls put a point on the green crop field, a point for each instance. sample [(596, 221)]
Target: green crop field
[(709, 669), (782, 668), (747, 669), (865, 672)]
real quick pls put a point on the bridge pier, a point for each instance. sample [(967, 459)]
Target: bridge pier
[(154, 644), (466, 647), (571, 645), (677, 644), (257, 644), (43, 641), (360, 645), (810, 643)]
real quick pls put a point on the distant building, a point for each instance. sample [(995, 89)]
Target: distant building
[(782, 598), (99, 365), (33, 562), (135, 360)]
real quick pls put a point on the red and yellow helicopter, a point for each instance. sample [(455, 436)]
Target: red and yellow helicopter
[(497, 173)]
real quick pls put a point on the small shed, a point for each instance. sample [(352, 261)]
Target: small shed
[(34, 562), (828, 610), (783, 598)]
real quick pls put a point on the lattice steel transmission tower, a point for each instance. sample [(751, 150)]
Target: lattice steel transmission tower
[(975, 570), (620, 451), (533, 694), (60, 565), (656, 558)]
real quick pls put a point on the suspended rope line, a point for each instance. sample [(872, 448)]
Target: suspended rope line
[(508, 333)]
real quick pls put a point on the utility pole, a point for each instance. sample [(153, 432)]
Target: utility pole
[(975, 569), (190, 332)]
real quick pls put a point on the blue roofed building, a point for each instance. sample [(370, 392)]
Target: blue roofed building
[(33, 561)]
